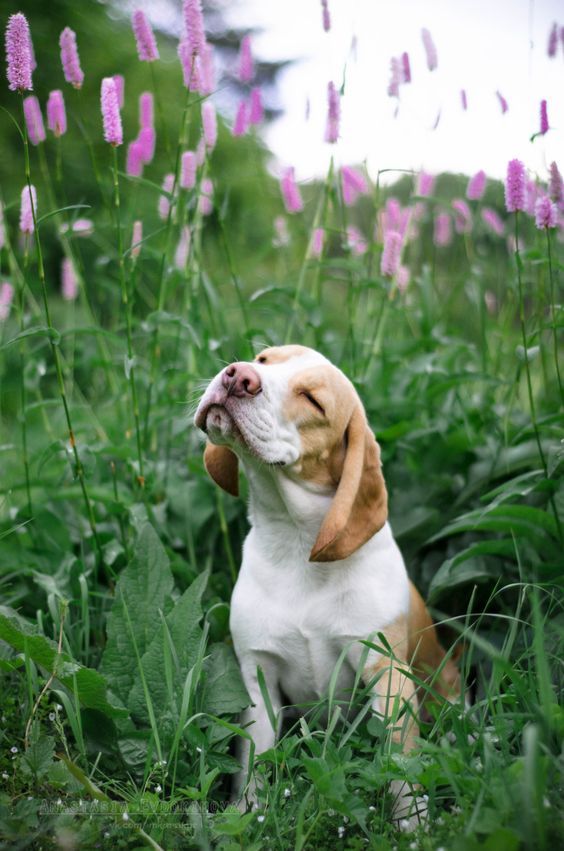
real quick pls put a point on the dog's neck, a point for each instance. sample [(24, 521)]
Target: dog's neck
[(283, 507)]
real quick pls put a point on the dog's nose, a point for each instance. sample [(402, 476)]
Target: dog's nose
[(241, 379)]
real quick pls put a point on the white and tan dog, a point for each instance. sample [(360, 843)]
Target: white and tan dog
[(321, 571)]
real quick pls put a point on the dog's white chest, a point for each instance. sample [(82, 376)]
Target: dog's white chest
[(297, 618)]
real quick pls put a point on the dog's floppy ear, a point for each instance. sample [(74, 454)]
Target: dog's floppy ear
[(360, 505), (221, 463)]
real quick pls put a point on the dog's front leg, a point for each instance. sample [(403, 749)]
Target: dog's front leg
[(257, 723), (395, 701)]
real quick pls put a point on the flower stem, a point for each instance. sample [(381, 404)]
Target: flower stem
[(79, 469), (553, 316), (127, 309)]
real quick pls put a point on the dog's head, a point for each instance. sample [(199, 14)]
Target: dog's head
[(293, 410)]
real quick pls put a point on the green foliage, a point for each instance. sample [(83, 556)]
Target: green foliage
[(113, 538)]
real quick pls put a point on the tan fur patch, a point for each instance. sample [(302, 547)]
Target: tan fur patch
[(425, 653), (280, 354), (393, 686)]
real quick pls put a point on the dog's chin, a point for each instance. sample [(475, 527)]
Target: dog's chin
[(220, 426)]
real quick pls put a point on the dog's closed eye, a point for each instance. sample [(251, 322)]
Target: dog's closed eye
[(313, 401)]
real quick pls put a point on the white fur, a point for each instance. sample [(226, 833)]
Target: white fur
[(291, 617)]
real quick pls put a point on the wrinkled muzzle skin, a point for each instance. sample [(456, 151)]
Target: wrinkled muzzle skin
[(255, 423)]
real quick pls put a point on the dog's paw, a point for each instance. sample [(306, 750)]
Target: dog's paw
[(409, 809)]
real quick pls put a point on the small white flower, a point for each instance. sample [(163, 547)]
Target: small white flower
[(59, 802), (14, 749), (341, 831), (287, 792), (260, 819), (199, 750), (413, 846), (52, 716), (372, 808), (58, 707), (345, 820), (5, 775), (107, 834), (125, 816), (158, 788)]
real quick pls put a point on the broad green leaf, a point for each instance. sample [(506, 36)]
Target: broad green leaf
[(469, 566), (225, 691), (26, 638), (182, 642), (144, 587)]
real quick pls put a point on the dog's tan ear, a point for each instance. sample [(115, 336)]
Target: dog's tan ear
[(360, 506), (222, 465)]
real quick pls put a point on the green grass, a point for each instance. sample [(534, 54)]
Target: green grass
[(118, 556)]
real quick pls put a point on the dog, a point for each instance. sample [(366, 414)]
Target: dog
[(321, 572)]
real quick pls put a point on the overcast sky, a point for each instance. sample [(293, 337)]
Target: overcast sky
[(482, 45)]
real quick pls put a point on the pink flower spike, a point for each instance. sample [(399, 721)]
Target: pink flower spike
[(190, 63), (83, 227), (34, 120), (200, 152), (515, 186), (69, 280), (241, 124), (552, 41), (353, 183), (544, 126), (290, 192), (402, 278), (120, 89), (246, 65), (194, 23), (134, 161), (356, 241), (209, 124), (136, 237), (56, 114), (188, 170), (205, 201), (146, 110), (256, 110), (493, 221), (405, 68), (164, 201), (111, 117), (207, 70), (395, 77), (333, 114), (391, 254), (556, 184), (69, 58), (6, 298), (463, 99), (442, 235), (183, 248), (19, 56), (26, 211), (425, 185), (463, 216), (546, 213), (147, 139), (317, 241), (325, 16), (281, 233), (476, 186), (430, 49), (147, 49), (502, 102)]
